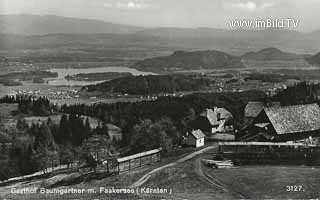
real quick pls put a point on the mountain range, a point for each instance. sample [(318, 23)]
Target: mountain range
[(36, 32), (49, 24)]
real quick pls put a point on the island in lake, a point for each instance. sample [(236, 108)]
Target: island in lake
[(100, 76)]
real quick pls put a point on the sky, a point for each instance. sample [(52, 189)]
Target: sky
[(172, 13)]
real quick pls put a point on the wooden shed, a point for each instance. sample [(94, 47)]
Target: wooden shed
[(138, 160), (195, 138)]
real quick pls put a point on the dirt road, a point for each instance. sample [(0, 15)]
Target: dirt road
[(214, 181), (146, 177)]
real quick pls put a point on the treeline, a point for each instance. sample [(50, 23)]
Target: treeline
[(301, 93), (272, 78), (175, 111), (30, 105), (45, 145), (29, 75), (147, 85)]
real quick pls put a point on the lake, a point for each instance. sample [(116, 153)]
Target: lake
[(62, 72)]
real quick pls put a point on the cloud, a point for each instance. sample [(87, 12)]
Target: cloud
[(129, 5), (251, 5), (248, 5)]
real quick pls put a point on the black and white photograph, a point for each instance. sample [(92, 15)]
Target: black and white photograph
[(159, 99)]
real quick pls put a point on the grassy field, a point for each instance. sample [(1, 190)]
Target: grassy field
[(185, 183), (192, 180), (270, 182), (124, 180)]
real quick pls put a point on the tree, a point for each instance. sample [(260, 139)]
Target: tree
[(96, 149), (45, 153), (22, 125), (87, 128), (149, 135), (64, 131), (66, 154)]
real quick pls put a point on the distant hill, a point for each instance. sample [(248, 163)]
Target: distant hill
[(235, 41), (181, 60), (271, 54), (48, 24), (314, 60), (146, 85)]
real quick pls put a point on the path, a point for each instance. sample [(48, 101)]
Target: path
[(214, 181), (147, 176)]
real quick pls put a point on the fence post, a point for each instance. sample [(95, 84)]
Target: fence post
[(129, 165)]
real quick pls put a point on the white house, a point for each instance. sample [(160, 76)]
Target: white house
[(195, 138)]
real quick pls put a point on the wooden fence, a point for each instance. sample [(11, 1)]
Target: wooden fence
[(268, 153)]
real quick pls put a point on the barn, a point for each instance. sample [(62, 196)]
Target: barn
[(195, 138), (282, 124), (253, 109)]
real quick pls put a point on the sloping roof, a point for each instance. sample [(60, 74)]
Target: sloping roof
[(253, 108), (197, 134), (294, 119), (214, 116), (138, 155), (261, 125)]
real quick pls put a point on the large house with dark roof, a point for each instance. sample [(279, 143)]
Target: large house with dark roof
[(211, 121), (287, 123)]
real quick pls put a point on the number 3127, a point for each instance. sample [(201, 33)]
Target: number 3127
[(294, 188)]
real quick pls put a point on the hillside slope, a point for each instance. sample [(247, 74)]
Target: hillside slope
[(49, 24), (271, 54), (314, 60), (146, 85), (181, 60)]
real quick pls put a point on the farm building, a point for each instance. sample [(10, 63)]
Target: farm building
[(288, 123), (195, 138), (114, 132), (138, 160), (218, 120), (253, 108)]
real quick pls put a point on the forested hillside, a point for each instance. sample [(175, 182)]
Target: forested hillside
[(181, 60), (146, 85)]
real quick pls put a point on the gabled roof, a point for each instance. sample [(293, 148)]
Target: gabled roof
[(214, 116), (198, 134), (294, 119), (253, 108)]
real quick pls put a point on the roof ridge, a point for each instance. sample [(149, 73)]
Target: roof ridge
[(290, 106)]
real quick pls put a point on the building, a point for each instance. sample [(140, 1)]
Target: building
[(218, 120), (138, 160), (282, 124), (114, 132), (253, 109), (195, 138)]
